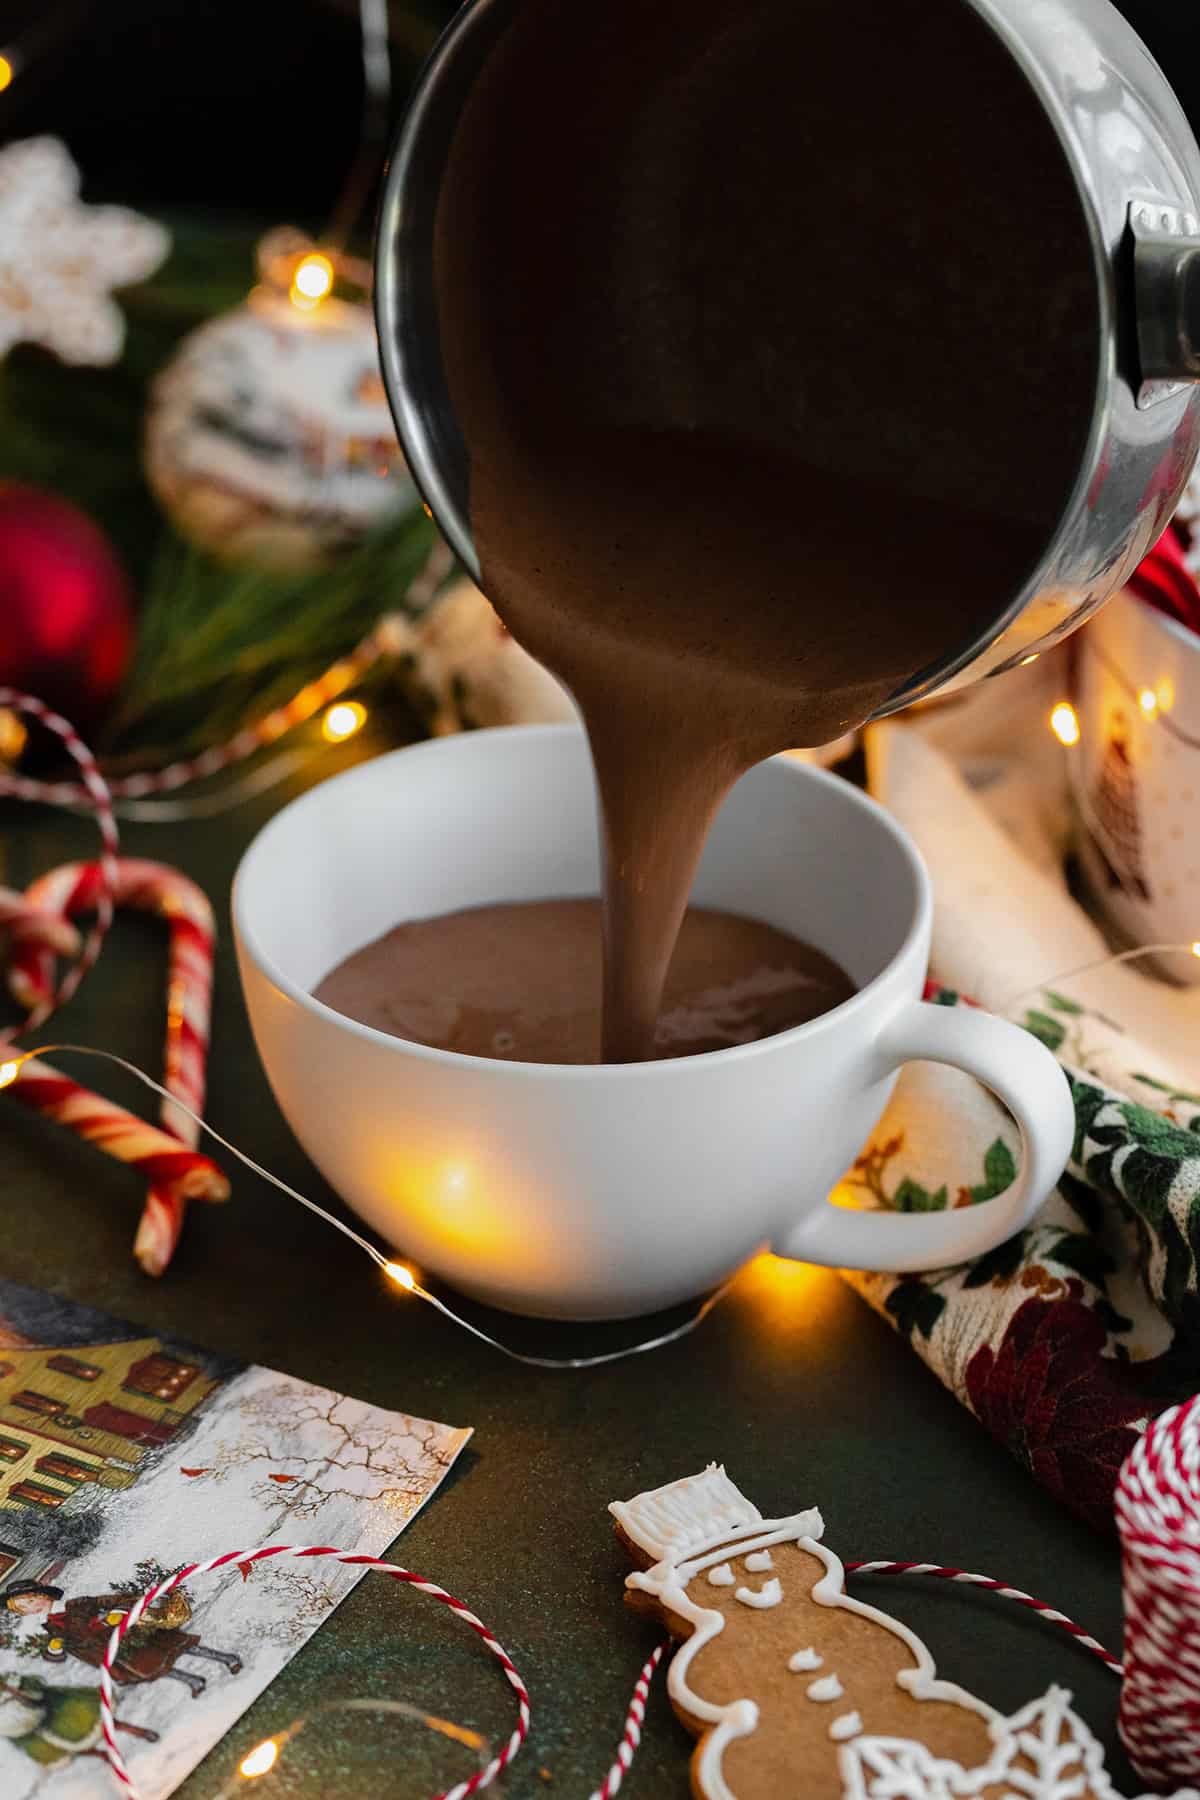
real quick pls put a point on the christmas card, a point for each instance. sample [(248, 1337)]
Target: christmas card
[(124, 1456)]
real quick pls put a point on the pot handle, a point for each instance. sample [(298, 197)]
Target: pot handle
[(1166, 267), (1023, 1074)]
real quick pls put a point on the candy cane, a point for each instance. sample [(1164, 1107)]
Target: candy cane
[(243, 1558), (33, 925), (1158, 1519), (96, 789), (184, 1174), (153, 887)]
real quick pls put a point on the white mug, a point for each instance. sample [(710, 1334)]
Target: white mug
[(608, 1191)]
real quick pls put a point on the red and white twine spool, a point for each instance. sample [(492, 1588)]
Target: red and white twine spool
[(1158, 1518), (242, 1558), (98, 792)]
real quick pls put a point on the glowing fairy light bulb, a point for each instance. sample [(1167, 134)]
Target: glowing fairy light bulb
[(1064, 723), (312, 280), (259, 1761), (7, 71), (10, 1070), (342, 720), (1196, 948), (1148, 701), (400, 1275)]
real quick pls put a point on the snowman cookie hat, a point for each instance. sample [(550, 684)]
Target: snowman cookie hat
[(670, 1524)]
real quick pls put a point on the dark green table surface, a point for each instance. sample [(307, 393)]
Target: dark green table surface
[(791, 1381)]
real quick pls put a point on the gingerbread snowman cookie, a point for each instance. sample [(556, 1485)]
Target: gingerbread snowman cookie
[(794, 1687)]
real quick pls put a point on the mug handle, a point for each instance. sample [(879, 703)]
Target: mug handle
[(1023, 1074)]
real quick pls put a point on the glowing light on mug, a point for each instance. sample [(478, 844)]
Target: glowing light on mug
[(1148, 701), (1064, 723), (259, 1761), (342, 720)]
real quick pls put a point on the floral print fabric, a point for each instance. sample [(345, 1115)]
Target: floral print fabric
[(1065, 1340)]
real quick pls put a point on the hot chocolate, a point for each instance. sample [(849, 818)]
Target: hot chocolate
[(721, 295), (522, 982)]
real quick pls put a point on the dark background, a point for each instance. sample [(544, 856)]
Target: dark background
[(253, 106)]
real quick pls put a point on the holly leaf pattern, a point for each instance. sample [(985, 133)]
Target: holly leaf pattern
[(1000, 1264), (1049, 1030), (1083, 1200), (911, 1197), (915, 1307), (1061, 1004), (1085, 1254), (999, 1171)]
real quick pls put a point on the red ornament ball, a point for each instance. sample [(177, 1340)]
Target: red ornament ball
[(66, 616)]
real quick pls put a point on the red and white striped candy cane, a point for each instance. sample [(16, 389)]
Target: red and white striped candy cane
[(96, 789), (153, 887), (163, 1160), (460, 1791), (1158, 1518), (30, 925)]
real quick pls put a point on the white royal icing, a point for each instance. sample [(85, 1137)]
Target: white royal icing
[(721, 1576), (827, 1688), (847, 1726), (758, 1560), (1064, 1760), (769, 1594), (805, 1661), (668, 1580), (686, 1515)]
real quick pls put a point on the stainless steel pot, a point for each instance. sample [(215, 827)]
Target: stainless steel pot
[(1136, 168)]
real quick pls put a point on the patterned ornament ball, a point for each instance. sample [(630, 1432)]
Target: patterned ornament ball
[(66, 616), (268, 436)]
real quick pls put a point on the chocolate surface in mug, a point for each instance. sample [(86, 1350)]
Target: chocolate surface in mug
[(522, 981), (772, 395)]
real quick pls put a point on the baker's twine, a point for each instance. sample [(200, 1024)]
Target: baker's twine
[(243, 1559), (1158, 1518)]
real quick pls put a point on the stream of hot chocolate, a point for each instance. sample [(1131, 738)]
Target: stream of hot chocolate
[(743, 456)]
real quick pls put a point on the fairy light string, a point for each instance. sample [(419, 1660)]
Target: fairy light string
[(403, 1277), (398, 1273), (384, 640)]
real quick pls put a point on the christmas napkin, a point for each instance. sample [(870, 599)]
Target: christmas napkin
[(1067, 1339)]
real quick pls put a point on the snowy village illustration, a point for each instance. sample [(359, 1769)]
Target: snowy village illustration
[(124, 1456)]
